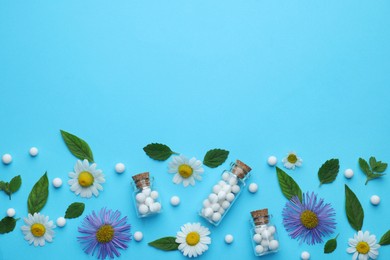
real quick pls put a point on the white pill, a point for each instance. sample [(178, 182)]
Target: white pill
[(206, 203), (175, 200), (225, 176), (213, 198), (208, 212), (236, 189), (143, 209), (273, 244), (138, 236), (221, 211), (57, 182), (120, 167), (259, 249), (265, 243), (227, 188), (230, 197), (265, 234), (217, 188), (305, 255), (221, 195), (233, 180), (61, 221), (229, 239), (225, 204), (272, 160), (257, 238), (7, 158), (259, 230), (271, 230), (140, 197), (221, 183), (33, 151), (253, 187), (375, 200), (154, 194), (147, 192), (348, 173), (155, 207), (215, 207), (216, 217), (149, 201), (11, 212)]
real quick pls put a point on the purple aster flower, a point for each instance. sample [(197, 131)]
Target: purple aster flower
[(105, 232), (309, 220)]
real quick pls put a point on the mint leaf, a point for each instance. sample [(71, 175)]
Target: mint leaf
[(7, 225), (330, 245), (373, 162), (377, 167), (385, 239), (373, 176), (215, 157), (77, 146), (364, 166), (3, 185), (328, 171), (165, 243), (159, 152), (353, 209), (15, 184), (75, 210), (38, 195), (289, 187)]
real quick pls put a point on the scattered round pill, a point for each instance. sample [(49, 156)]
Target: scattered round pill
[(175, 200), (229, 239), (305, 255), (57, 182), (7, 158), (33, 151), (257, 238), (216, 217), (375, 200), (253, 187), (138, 236), (348, 173), (61, 221), (273, 244), (272, 160), (143, 209), (259, 249), (120, 167), (154, 194), (11, 212)]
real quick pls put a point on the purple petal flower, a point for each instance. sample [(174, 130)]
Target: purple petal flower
[(309, 220), (104, 233)]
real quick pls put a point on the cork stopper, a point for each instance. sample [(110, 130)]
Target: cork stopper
[(240, 169), (142, 180), (260, 217)]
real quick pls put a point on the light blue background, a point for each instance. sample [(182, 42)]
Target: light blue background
[(255, 77)]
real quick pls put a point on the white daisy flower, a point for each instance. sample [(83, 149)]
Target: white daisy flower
[(85, 180), (292, 160), (186, 170), (38, 230), (193, 239), (363, 246)]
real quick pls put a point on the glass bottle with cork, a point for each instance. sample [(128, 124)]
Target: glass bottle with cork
[(263, 233)]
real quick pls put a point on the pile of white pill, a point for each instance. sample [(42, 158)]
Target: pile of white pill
[(265, 240), (147, 202)]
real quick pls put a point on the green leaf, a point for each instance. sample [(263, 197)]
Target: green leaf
[(15, 184), (75, 210), (330, 245), (354, 210), (373, 162), (7, 225), (159, 152), (215, 157), (364, 166), (289, 187), (385, 239), (165, 243), (38, 195), (373, 176), (77, 146), (380, 167), (3, 185), (328, 171)]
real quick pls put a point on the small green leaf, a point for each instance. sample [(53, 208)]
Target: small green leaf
[(373, 176), (328, 171), (77, 146), (15, 184), (372, 162), (165, 243), (289, 187), (7, 225), (75, 210), (3, 185), (215, 157), (353, 209), (364, 166), (385, 239), (159, 152), (380, 167), (38, 195), (330, 245)]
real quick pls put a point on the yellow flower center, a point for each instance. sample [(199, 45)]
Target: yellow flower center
[(38, 230), (193, 238), (85, 179), (185, 170), (105, 234), (309, 219), (362, 247), (292, 158)]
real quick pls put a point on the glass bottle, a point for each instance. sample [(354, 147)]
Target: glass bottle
[(263, 233), (225, 193), (146, 198)]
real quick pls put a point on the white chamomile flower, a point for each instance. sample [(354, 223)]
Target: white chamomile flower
[(185, 170), (363, 246), (86, 179), (291, 161), (38, 230), (193, 239)]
